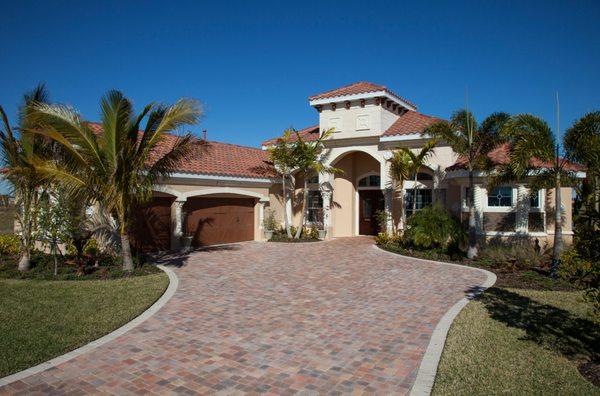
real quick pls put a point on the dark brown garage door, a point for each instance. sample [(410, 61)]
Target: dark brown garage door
[(151, 226), (212, 221)]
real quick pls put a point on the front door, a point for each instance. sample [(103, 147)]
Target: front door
[(370, 202)]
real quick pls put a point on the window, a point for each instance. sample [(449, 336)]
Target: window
[(370, 181), (534, 201), (500, 197), (315, 207), (423, 199)]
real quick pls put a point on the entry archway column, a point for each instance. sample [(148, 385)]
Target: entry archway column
[(326, 195), (388, 195), (177, 223)]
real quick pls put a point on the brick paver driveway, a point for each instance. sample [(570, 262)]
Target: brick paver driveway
[(330, 317)]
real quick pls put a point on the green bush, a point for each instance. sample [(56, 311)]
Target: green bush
[(574, 268), (433, 227), (383, 239), (592, 296), (91, 247), (10, 244), (511, 255)]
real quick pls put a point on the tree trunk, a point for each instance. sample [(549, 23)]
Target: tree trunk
[(402, 211), (472, 250), (597, 193), (286, 220), (414, 203), (558, 237), (303, 213), (25, 260), (55, 260), (126, 249)]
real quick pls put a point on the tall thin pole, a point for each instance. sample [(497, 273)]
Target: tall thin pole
[(558, 242)]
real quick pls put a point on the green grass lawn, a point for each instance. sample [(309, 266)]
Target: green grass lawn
[(40, 320), (520, 342)]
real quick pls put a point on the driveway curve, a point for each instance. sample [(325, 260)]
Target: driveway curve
[(331, 317)]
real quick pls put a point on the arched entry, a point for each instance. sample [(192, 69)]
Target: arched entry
[(356, 193)]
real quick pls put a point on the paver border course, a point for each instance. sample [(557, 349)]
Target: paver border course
[(153, 309), (431, 359)]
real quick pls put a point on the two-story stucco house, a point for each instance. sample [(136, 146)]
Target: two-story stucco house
[(221, 196)]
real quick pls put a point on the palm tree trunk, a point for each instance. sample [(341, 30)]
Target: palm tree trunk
[(303, 213), (286, 220), (25, 260), (402, 211), (597, 193), (126, 250), (558, 237), (472, 250), (414, 203), (26, 230)]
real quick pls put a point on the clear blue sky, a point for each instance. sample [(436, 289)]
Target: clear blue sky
[(253, 65)]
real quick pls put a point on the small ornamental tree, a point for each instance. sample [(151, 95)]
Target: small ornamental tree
[(282, 156), (310, 159), (54, 225)]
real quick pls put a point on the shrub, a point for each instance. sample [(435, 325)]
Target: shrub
[(511, 255), (10, 244), (592, 296), (269, 222), (91, 247), (575, 268), (433, 227), (383, 239)]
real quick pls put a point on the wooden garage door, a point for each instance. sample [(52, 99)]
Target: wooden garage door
[(151, 227), (213, 221)]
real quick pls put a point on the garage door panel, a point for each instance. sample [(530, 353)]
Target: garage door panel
[(219, 220)]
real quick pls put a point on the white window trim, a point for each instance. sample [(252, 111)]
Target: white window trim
[(500, 209), (542, 200)]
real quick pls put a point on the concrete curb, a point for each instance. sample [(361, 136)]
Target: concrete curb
[(153, 309), (431, 359)]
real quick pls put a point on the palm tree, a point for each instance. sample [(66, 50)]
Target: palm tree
[(472, 143), (534, 156), (582, 143), (119, 166), (19, 153), (309, 160), (403, 164), (282, 156)]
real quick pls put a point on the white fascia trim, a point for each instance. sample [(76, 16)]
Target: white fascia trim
[(465, 173), (401, 138), (525, 234), (223, 178), (366, 95)]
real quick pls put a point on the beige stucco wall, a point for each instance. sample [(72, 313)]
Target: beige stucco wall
[(346, 121)]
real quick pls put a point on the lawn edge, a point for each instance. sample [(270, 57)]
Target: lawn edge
[(425, 380), (148, 313)]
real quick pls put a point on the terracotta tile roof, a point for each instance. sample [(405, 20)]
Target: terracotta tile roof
[(309, 134), (500, 156), (356, 88), (409, 123), (216, 158)]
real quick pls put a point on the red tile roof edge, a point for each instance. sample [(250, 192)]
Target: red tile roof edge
[(373, 88), (251, 162)]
